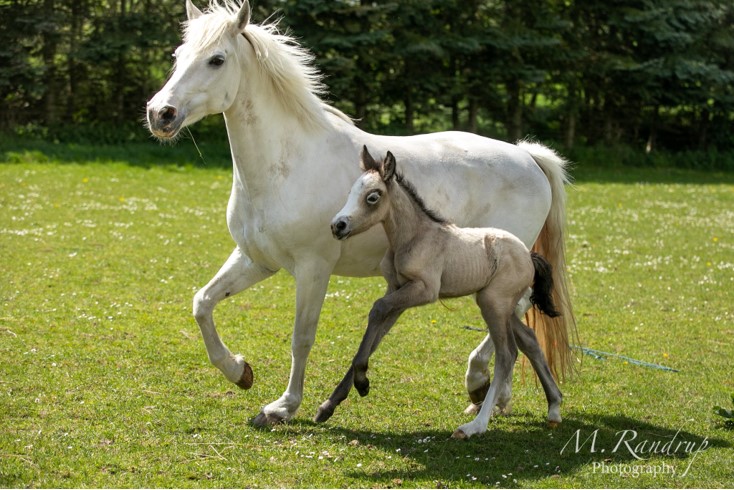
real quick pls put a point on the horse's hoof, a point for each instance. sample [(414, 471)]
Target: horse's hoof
[(477, 396), (246, 379), (324, 413), (459, 434), (363, 387), (552, 424), (267, 420), (472, 409)]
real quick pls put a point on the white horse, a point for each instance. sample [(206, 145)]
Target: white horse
[(293, 165)]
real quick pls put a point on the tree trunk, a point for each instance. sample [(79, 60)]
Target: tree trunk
[(473, 110), (50, 78), (572, 108), (409, 111), (514, 111)]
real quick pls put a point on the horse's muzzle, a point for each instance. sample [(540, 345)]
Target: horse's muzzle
[(164, 122), (341, 228)]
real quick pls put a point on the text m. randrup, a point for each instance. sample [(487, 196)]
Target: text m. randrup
[(638, 448)]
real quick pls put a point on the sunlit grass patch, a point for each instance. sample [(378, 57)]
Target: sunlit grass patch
[(105, 381)]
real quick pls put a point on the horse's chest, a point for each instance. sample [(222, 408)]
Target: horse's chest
[(256, 233)]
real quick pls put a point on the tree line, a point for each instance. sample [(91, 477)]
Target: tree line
[(647, 73)]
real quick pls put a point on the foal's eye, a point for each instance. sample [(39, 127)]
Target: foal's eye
[(217, 60), (373, 198)]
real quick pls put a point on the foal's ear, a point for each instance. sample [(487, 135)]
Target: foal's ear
[(366, 162), (243, 16), (388, 167), (191, 11)]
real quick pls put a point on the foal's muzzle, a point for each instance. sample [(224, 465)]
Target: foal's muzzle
[(341, 227)]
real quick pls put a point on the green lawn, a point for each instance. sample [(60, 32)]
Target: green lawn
[(104, 381)]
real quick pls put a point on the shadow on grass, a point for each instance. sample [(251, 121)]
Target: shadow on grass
[(519, 448), (213, 152), (583, 173), (145, 154)]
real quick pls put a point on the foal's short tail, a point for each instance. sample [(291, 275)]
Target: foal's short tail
[(542, 296)]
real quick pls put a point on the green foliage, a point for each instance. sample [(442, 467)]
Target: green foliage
[(645, 73)]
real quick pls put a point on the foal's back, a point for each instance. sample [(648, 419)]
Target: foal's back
[(474, 257)]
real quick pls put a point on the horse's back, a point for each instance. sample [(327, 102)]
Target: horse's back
[(474, 181)]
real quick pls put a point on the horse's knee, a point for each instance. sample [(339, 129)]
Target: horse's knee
[(202, 306)]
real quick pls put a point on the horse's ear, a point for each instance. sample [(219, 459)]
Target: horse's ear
[(192, 12), (366, 162), (388, 167), (243, 16)]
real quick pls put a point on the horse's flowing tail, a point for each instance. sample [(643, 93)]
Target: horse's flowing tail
[(542, 296), (554, 333)]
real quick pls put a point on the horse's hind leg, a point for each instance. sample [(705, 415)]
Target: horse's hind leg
[(237, 274), (528, 344)]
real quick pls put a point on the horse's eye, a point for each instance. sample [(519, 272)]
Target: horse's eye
[(217, 60), (373, 198)]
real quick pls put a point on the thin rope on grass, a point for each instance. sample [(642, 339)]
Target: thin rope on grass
[(601, 355)]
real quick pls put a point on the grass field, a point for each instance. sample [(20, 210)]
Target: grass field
[(104, 381)]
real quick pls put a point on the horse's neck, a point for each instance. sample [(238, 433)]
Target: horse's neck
[(262, 140), (406, 220)]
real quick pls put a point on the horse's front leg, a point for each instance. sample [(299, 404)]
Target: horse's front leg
[(312, 281), (237, 274)]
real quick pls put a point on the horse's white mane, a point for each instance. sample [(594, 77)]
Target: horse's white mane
[(288, 65)]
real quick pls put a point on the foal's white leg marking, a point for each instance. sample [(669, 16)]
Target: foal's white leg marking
[(502, 371), (312, 281), (477, 377), (237, 273), (477, 374)]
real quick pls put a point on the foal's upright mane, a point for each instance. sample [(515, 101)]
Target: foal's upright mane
[(289, 67), (409, 188)]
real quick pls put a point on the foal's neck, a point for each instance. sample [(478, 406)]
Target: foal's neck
[(406, 219)]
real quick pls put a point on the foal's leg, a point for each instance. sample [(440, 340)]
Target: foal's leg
[(414, 293), (341, 392), (477, 379), (383, 315), (528, 344), (237, 274), (497, 316)]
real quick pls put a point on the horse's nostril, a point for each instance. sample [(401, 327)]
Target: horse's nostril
[(167, 114), (341, 225)]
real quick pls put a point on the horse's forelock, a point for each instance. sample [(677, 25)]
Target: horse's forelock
[(204, 31)]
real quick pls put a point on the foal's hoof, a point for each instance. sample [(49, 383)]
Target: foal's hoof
[(267, 420), (246, 379), (363, 387), (324, 413), (552, 424), (459, 434)]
